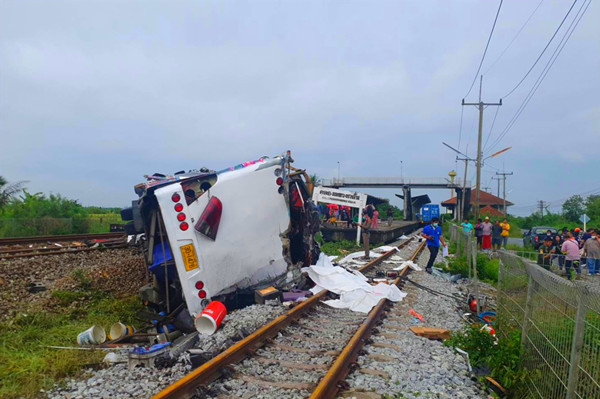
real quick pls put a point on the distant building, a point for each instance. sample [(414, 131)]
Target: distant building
[(489, 204)]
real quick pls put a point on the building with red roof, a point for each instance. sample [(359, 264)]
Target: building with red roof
[(488, 203)]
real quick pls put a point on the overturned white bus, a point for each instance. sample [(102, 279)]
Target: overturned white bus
[(217, 235)]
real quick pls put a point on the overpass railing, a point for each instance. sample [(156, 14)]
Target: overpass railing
[(399, 181)]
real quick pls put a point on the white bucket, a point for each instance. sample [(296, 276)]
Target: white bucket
[(119, 330), (92, 336)]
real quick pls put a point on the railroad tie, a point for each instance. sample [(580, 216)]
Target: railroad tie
[(290, 348), (387, 346), (291, 365), (379, 373), (307, 386), (382, 358)]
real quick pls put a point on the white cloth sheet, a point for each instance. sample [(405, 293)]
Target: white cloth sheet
[(353, 288)]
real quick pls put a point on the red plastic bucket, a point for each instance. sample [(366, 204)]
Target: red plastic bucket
[(211, 317)]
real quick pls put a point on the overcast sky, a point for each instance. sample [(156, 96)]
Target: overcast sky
[(95, 94)]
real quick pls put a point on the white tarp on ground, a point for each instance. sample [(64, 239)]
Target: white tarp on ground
[(410, 264), (355, 292)]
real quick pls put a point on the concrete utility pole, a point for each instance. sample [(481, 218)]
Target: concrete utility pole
[(504, 174), (481, 106), (461, 207), (541, 205), (497, 178)]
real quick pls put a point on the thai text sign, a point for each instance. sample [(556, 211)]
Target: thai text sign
[(339, 197)]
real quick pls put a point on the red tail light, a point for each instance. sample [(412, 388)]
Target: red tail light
[(181, 217), (176, 197), (279, 181), (178, 207), (184, 226), (199, 285), (208, 224), (202, 294)]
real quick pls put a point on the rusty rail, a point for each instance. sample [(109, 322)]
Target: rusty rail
[(31, 252), (211, 370), (329, 385), (66, 237)]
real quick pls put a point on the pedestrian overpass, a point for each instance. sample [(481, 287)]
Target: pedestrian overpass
[(406, 184)]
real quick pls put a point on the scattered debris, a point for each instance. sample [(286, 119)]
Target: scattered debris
[(36, 287), (431, 332), (265, 294)]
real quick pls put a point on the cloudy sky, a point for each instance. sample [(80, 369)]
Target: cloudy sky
[(95, 94)]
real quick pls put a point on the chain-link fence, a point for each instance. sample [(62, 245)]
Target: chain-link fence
[(560, 325)]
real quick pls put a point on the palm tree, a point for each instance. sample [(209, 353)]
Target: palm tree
[(315, 180), (9, 190)]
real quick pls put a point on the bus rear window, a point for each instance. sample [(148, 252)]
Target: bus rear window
[(194, 188)]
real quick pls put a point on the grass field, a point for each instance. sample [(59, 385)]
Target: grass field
[(28, 365)]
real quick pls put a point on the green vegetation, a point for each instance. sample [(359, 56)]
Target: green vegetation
[(383, 208), (343, 248), (503, 358), (572, 209), (487, 268), (25, 214), (28, 365)]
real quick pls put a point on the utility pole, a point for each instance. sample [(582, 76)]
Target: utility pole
[(498, 178), (461, 206), (504, 174), (541, 206), (481, 106)]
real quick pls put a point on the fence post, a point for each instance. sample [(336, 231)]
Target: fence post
[(528, 306), (577, 342), (473, 247)]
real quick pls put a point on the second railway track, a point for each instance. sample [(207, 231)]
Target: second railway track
[(306, 352)]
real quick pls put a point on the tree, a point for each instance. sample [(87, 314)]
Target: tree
[(315, 180), (573, 208), (592, 208), (8, 191)]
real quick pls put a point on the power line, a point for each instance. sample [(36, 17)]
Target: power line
[(514, 38), (485, 51), (545, 71), (543, 51)]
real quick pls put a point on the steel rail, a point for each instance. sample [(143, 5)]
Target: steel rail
[(66, 237), (328, 386), (61, 251), (211, 370)]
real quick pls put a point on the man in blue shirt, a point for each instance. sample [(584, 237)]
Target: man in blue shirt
[(433, 233), (467, 227)]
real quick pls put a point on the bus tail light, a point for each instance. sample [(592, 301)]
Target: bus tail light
[(279, 181), (202, 294), (176, 197), (184, 226), (181, 217), (208, 224), (199, 285)]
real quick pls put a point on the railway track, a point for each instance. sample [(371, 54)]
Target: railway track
[(295, 355), (11, 248), (58, 238)]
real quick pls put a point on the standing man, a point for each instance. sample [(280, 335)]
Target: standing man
[(571, 248), (505, 232), (591, 250), (496, 236), (433, 233), (390, 215), (366, 233), (478, 233), (467, 227), (486, 230)]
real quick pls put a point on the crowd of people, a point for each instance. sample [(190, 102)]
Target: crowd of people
[(571, 249), (490, 236), (332, 213)]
